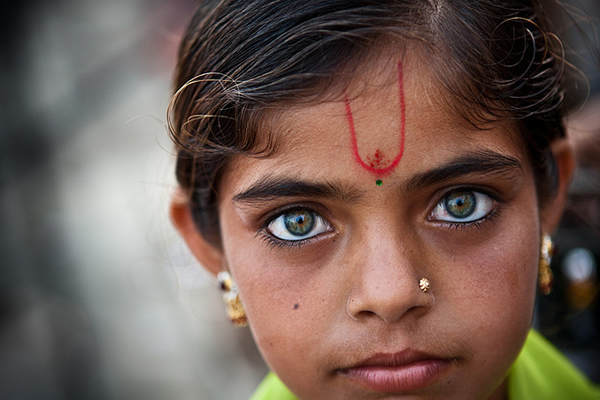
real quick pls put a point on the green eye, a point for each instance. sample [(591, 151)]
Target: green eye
[(463, 206), (297, 224)]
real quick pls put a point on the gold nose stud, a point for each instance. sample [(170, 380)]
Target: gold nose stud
[(424, 285)]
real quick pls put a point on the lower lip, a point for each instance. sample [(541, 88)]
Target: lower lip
[(396, 379)]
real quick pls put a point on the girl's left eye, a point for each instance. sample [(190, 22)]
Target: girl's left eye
[(463, 206), (297, 225)]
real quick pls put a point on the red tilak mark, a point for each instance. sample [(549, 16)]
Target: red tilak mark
[(376, 162)]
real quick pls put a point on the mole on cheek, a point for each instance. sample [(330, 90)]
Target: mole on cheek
[(296, 306), (378, 163)]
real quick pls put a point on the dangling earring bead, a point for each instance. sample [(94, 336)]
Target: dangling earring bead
[(235, 308), (545, 278), (424, 285)]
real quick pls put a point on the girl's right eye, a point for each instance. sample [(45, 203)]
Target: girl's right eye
[(298, 224)]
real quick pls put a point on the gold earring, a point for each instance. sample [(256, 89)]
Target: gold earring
[(545, 278), (424, 285), (231, 297)]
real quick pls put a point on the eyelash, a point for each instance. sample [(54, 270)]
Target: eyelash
[(272, 241), (275, 243), (491, 217)]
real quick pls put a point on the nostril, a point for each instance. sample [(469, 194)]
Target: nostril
[(368, 313), (354, 314)]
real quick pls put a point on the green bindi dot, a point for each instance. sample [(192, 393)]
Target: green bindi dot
[(378, 182)]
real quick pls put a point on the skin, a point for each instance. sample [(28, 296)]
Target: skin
[(351, 291)]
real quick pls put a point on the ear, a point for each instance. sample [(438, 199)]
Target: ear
[(565, 164), (208, 255)]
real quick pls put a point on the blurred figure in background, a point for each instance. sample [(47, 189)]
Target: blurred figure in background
[(570, 316)]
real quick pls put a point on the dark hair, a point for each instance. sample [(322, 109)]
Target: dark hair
[(240, 59)]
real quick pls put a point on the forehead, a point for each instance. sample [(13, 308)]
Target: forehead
[(392, 105), (385, 93)]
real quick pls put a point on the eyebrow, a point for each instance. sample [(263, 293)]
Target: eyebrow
[(481, 162), (270, 188)]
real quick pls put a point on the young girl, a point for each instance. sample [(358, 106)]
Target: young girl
[(374, 183)]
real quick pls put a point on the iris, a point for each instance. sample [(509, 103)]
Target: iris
[(299, 223), (461, 204)]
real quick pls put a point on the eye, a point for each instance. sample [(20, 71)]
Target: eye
[(297, 225), (462, 206)]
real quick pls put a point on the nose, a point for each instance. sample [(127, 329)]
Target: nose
[(387, 281)]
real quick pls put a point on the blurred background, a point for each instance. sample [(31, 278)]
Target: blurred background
[(99, 298)]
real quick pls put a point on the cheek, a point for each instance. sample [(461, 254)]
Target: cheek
[(290, 317), (272, 290), (281, 300), (500, 279), (490, 293)]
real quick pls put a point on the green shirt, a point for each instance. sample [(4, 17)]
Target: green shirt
[(540, 372)]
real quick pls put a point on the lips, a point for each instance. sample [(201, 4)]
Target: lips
[(405, 371)]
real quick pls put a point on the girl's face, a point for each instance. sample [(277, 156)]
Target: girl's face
[(328, 238)]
